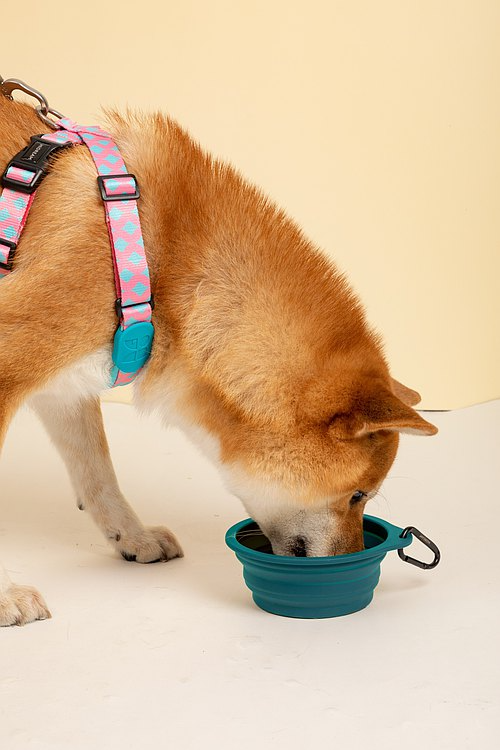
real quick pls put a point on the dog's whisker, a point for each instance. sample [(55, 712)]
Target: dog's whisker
[(254, 532)]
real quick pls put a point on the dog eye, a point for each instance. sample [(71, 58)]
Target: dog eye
[(358, 495)]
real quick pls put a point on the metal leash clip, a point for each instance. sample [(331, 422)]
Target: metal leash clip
[(9, 85)]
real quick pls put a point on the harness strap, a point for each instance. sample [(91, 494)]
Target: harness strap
[(21, 179), (119, 192), (14, 209)]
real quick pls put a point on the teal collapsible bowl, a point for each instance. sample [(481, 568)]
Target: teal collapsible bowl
[(315, 587)]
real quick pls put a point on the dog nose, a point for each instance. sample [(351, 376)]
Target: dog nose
[(299, 547)]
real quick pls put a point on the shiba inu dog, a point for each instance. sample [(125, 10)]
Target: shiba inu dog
[(261, 352)]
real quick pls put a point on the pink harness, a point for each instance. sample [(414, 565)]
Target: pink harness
[(119, 192)]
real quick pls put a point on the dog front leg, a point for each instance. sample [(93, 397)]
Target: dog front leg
[(18, 604), (78, 433)]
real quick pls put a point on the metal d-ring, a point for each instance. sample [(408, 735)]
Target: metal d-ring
[(428, 543), (44, 115)]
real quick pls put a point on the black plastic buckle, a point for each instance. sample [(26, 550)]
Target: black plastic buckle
[(428, 543), (117, 196), (119, 308), (19, 185), (7, 266), (33, 158)]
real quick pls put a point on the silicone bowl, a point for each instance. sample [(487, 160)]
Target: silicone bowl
[(316, 587)]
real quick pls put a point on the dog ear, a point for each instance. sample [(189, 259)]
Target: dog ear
[(383, 411), (406, 395)]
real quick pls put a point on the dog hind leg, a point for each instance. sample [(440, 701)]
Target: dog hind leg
[(77, 431)]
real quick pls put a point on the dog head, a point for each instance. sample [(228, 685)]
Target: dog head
[(307, 487)]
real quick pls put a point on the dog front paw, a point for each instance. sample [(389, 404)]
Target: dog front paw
[(152, 544), (20, 605)]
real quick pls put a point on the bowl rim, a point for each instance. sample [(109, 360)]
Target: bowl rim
[(392, 542)]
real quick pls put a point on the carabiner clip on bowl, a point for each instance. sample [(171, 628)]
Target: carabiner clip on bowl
[(428, 543)]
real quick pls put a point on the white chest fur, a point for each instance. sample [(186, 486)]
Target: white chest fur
[(87, 377)]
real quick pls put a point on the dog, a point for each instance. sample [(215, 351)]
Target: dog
[(262, 352)]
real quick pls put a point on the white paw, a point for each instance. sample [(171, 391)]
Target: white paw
[(20, 605), (152, 544)]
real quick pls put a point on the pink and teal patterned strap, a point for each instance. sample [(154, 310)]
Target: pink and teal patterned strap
[(15, 201), (119, 192), (14, 208)]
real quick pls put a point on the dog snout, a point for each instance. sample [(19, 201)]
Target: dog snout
[(299, 547)]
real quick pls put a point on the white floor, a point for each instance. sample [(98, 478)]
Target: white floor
[(177, 656)]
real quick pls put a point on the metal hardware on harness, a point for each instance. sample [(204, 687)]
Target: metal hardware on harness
[(428, 543), (44, 116), (9, 85)]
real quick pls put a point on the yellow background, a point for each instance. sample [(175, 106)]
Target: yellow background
[(375, 124)]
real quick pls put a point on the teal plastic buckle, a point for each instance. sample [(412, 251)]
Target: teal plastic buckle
[(132, 346)]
